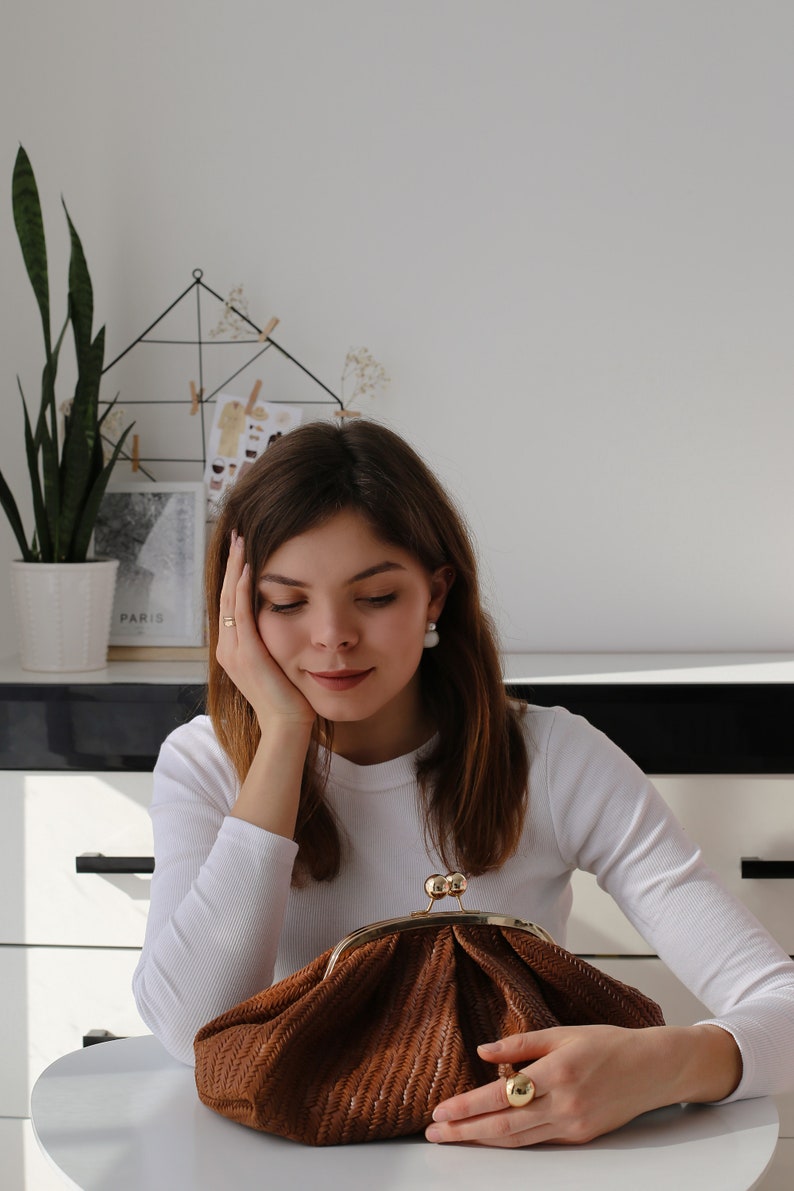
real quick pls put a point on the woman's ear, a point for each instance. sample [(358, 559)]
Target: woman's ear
[(440, 582)]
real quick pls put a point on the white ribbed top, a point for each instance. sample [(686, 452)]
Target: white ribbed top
[(225, 922)]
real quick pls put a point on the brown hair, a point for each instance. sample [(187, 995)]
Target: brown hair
[(473, 782)]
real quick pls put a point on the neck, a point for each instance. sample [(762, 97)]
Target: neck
[(398, 729)]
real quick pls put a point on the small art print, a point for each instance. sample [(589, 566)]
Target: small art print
[(156, 531), (240, 433)]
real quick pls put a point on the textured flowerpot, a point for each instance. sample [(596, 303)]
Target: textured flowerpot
[(63, 612)]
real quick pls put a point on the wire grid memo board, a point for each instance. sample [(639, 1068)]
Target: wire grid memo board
[(171, 390)]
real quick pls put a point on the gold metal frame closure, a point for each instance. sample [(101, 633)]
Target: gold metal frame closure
[(422, 919)]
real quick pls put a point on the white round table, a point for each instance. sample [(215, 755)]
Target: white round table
[(124, 1116)]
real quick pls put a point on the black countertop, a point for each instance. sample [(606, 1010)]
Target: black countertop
[(665, 727), (103, 727)]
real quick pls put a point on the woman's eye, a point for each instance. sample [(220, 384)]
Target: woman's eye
[(380, 601), (293, 607)]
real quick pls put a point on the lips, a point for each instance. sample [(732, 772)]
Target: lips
[(339, 680)]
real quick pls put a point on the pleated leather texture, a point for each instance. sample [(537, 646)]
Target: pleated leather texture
[(368, 1053)]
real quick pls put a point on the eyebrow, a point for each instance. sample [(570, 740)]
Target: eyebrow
[(379, 569)]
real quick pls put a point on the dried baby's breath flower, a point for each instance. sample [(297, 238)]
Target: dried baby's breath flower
[(230, 325), (112, 428), (367, 375)]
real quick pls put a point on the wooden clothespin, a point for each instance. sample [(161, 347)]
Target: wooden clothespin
[(136, 451), (271, 326), (249, 409), (195, 398), (347, 413)]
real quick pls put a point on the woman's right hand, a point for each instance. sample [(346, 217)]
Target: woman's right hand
[(243, 655)]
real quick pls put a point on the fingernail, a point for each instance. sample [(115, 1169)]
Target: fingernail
[(440, 1114), (246, 571), (493, 1046), (433, 1134)]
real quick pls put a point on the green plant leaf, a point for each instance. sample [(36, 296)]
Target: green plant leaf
[(85, 406), (45, 444), (46, 438), (81, 294), (85, 529), (68, 477), (79, 459), (30, 232), (41, 513), (14, 520), (76, 479), (107, 410)]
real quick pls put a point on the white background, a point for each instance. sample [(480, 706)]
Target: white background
[(565, 228)]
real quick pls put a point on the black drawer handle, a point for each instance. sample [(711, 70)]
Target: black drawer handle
[(95, 862), (752, 867), (95, 1036)]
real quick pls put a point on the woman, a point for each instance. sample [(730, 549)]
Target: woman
[(359, 738)]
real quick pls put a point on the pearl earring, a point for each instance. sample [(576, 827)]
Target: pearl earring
[(431, 636)]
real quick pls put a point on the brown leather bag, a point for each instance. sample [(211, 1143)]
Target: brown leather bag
[(366, 1040)]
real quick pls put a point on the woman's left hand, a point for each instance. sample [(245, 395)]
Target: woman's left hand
[(588, 1080)]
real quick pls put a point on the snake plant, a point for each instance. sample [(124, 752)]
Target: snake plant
[(66, 464)]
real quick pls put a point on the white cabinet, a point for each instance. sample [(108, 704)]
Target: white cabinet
[(52, 996), (76, 754), (735, 817), (70, 941), (50, 819)]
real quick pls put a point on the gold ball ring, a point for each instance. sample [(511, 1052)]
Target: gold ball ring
[(230, 622), (520, 1090)]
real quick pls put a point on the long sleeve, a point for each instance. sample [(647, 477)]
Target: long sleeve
[(612, 822), (219, 892)]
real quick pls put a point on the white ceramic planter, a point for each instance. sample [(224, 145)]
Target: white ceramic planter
[(63, 612)]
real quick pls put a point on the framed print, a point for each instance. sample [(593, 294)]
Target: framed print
[(156, 531)]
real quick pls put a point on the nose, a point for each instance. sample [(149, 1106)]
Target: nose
[(334, 631)]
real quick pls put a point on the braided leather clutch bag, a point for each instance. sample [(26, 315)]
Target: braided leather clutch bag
[(366, 1040)]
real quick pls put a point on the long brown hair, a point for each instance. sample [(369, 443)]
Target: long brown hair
[(473, 781)]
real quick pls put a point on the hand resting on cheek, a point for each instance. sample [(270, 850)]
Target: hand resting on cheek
[(244, 656)]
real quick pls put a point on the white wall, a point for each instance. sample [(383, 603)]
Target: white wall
[(564, 227)]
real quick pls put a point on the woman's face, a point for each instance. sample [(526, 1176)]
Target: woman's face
[(344, 615)]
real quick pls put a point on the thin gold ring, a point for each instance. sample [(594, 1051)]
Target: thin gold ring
[(229, 622), (520, 1090)]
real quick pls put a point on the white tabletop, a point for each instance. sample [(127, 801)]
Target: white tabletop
[(595, 668), (711, 669), (124, 1116), (165, 673)]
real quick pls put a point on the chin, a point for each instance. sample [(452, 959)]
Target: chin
[(338, 712)]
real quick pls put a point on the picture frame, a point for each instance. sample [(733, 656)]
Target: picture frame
[(156, 529)]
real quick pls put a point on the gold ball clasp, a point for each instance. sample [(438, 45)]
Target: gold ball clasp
[(437, 886)]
